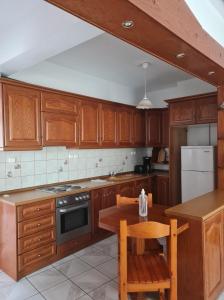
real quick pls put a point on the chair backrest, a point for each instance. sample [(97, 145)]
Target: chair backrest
[(120, 200)]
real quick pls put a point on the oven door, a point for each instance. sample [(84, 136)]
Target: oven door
[(73, 221)]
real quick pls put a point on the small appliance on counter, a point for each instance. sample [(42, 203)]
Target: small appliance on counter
[(139, 169), (147, 168)]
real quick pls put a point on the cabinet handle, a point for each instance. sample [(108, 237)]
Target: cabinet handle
[(38, 209), (38, 224), (38, 255)]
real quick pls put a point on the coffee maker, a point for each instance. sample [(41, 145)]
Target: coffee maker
[(147, 164)]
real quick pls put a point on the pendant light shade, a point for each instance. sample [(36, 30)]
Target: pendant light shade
[(145, 103)]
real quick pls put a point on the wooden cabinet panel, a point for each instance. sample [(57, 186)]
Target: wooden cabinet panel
[(213, 255), (52, 102), (125, 127), (162, 190), (126, 189), (40, 239), (36, 257), (36, 209), (153, 128), (138, 128), (89, 124), (145, 184), (165, 128), (206, 110), (108, 125), (182, 112), (35, 225), (59, 129), (21, 117), (108, 197)]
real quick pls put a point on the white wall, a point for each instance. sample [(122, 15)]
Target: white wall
[(54, 76), (198, 135)]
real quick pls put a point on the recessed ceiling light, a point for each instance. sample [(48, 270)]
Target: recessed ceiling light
[(180, 55), (211, 73), (127, 24)]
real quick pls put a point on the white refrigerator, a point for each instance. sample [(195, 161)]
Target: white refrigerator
[(197, 171)]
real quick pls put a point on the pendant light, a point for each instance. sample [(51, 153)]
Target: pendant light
[(145, 103)]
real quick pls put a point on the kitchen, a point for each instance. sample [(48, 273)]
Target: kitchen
[(66, 143)]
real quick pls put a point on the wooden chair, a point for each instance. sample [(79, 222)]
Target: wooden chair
[(145, 273), (126, 200)]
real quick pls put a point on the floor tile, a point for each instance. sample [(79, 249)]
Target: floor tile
[(111, 249), (73, 267), (109, 268), (47, 279), (90, 280), (108, 291), (63, 260), (36, 297), (221, 297), (85, 251), (65, 290), (86, 297), (95, 257), (39, 271), (12, 290), (105, 242)]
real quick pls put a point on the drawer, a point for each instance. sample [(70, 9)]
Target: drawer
[(36, 257), (37, 240), (36, 209), (32, 226)]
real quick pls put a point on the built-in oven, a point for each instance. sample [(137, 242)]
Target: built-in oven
[(73, 216)]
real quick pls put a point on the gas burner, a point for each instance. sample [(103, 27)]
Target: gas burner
[(61, 188)]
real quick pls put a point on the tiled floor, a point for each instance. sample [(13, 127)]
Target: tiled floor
[(88, 274)]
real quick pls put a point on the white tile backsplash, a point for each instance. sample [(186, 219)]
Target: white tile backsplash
[(57, 164)]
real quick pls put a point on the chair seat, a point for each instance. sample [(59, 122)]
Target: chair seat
[(147, 269)]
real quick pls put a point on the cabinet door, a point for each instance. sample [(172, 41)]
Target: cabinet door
[(206, 110), (145, 184), (108, 197), (138, 128), (162, 190), (59, 129), (53, 102), (125, 119), (213, 255), (108, 125), (89, 124), (21, 117), (165, 127), (182, 112), (126, 189), (153, 128)]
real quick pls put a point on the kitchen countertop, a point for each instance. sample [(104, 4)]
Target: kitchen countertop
[(28, 196), (201, 207)]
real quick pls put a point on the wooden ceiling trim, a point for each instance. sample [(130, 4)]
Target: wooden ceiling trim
[(149, 33)]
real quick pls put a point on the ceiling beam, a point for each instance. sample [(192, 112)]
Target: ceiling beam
[(162, 28)]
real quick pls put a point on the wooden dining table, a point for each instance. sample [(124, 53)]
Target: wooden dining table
[(110, 218)]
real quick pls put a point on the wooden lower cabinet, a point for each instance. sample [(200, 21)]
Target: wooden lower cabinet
[(145, 184), (162, 190), (126, 189), (200, 260)]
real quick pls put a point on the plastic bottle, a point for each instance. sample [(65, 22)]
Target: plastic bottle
[(143, 204)]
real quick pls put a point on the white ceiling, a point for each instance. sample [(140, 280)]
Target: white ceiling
[(34, 31)]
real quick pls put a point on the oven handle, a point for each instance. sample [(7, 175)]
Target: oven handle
[(65, 210)]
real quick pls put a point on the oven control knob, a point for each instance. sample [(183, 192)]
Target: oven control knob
[(76, 198), (60, 202), (87, 196), (80, 198), (65, 202)]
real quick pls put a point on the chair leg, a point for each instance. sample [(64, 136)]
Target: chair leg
[(162, 294)]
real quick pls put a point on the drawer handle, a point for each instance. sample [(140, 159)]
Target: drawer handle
[(38, 224), (38, 209), (38, 255)]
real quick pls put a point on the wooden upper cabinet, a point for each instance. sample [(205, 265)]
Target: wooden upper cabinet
[(182, 112), (53, 102), (213, 255), (89, 124), (125, 119), (59, 129), (153, 128), (138, 128), (108, 119), (206, 110), (22, 127), (165, 127)]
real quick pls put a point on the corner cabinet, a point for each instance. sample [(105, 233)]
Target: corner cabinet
[(22, 122)]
